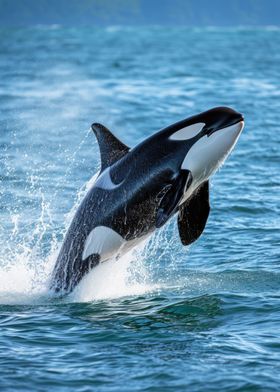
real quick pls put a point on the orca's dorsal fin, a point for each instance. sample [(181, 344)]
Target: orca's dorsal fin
[(111, 148), (193, 215)]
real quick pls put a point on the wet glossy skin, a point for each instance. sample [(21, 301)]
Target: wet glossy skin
[(126, 197)]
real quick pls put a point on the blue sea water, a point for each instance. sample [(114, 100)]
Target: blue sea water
[(165, 318)]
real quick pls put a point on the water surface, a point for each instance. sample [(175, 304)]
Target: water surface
[(203, 318)]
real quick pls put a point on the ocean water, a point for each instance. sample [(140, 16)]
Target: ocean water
[(163, 318)]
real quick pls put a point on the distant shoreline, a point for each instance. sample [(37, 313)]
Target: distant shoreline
[(74, 13)]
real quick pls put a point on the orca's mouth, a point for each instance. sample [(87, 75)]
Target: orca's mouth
[(210, 131)]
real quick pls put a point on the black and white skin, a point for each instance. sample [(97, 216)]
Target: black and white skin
[(139, 189)]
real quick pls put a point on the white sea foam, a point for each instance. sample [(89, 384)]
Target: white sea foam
[(25, 273), (116, 278), (25, 281)]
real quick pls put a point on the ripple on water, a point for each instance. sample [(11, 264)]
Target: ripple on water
[(165, 318)]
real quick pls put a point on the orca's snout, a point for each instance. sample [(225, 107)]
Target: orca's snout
[(221, 117)]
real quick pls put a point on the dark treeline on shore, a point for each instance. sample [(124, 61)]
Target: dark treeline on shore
[(139, 12)]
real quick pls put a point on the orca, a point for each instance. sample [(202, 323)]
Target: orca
[(139, 189)]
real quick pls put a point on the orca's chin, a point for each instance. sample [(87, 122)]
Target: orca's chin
[(235, 128), (241, 123), (229, 137)]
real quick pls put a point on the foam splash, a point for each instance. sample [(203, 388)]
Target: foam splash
[(24, 282), (126, 276), (25, 271), (23, 268)]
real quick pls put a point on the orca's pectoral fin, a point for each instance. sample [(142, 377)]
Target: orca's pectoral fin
[(172, 195), (111, 148), (193, 215)]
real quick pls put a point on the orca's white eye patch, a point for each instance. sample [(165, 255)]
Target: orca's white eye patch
[(188, 132)]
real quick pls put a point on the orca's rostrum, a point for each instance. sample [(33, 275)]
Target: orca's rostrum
[(139, 189)]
